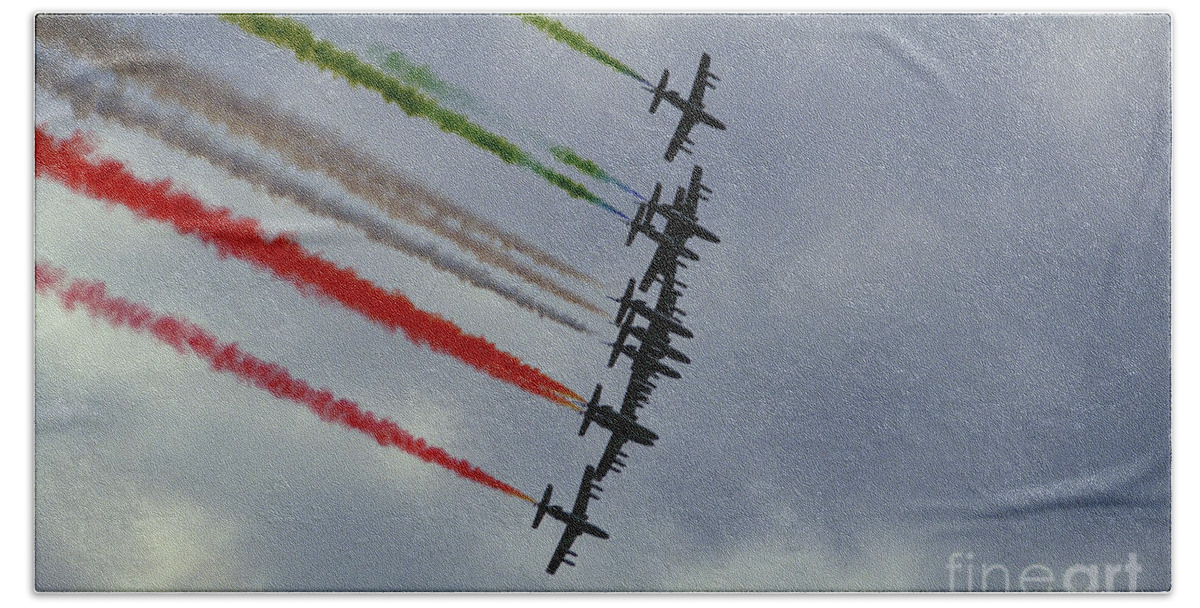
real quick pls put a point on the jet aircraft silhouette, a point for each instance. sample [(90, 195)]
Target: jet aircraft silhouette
[(576, 519), (692, 108)]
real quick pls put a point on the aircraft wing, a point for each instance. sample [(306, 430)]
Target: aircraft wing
[(610, 454), (686, 122), (684, 227), (695, 192), (662, 264), (560, 552), (636, 392), (701, 82), (652, 273), (585, 491)]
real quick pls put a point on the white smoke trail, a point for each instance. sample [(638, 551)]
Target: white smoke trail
[(309, 147), (93, 91)]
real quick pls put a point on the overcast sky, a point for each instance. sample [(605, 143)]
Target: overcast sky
[(938, 321)]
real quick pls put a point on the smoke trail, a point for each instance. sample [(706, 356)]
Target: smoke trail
[(185, 336), (314, 149), (241, 237), (400, 66), (561, 33), (568, 156), (88, 92), (294, 36), (309, 147), (407, 70)]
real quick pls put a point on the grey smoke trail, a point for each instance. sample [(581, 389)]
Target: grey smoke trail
[(91, 91), (309, 147)]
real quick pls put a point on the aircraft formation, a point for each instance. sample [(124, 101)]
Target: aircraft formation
[(649, 358)]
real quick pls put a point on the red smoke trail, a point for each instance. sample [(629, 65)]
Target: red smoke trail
[(240, 237), (227, 357)]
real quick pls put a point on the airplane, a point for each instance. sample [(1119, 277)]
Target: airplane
[(640, 307), (576, 520), (620, 425), (676, 212), (662, 269), (681, 224), (638, 225), (650, 351), (623, 427), (672, 242), (653, 341), (666, 260), (692, 108), (682, 211)]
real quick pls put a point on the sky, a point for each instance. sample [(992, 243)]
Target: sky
[(938, 321)]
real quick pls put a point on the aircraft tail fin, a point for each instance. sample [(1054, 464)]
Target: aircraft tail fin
[(616, 352), (659, 92), (657, 193), (652, 205), (595, 397), (625, 302), (636, 225), (589, 413), (619, 344), (543, 506), (595, 400)]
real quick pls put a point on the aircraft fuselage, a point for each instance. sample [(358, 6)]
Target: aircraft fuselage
[(575, 522), (651, 368), (610, 419), (656, 344), (671, 324)]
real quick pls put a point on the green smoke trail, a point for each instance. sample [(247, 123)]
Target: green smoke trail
[(292, 35), (568, 156), (561, 33), (400, 66)]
